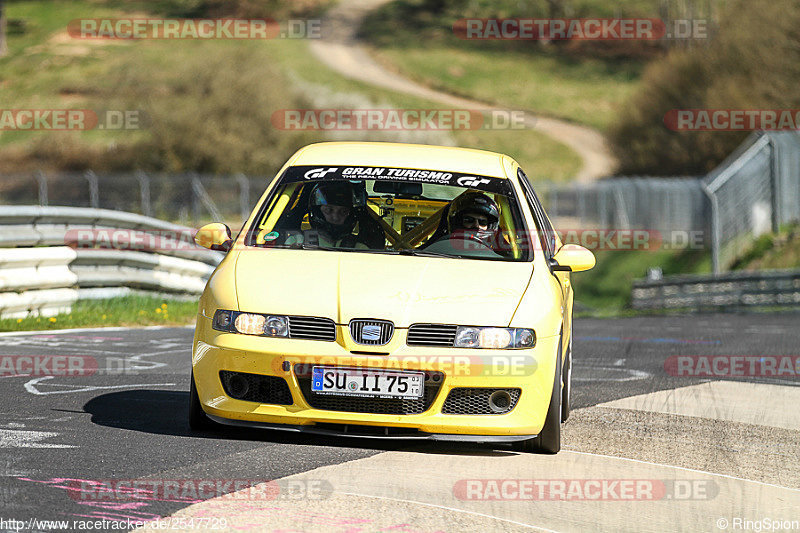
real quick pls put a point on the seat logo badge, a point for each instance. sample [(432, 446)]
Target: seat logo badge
[(371, 333), (317, 173)]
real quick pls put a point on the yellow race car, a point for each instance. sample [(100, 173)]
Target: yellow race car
[(390, 290)]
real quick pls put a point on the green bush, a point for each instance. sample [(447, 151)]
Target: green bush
[(409, 22), (211, 111), (276, 9), (752, 61), (207, 109)]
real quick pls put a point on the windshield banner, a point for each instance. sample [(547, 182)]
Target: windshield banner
[(403, 175)]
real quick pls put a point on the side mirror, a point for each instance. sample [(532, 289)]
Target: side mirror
[(573, 258), (214, 236)]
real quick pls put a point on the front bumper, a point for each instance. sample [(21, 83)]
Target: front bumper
[(216, 351), (360, 431)]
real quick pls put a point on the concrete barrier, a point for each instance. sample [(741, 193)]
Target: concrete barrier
[(50, 257)]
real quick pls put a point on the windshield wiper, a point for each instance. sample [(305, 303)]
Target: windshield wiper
[(304, 246), (403, 251), (424, 253)]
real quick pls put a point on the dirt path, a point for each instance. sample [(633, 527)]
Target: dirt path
[(340, 50)]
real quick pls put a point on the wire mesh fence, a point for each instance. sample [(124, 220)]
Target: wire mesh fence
[(673, 207), (756, 190), (183, 198)]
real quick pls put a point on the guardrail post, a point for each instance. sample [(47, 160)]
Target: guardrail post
[(774, 183), (202, 195), (41, 179), (144, 191), (715, 237), (244, 195), (94, 190), (622, 212), (195, 201), (553, 207), (602, 199)]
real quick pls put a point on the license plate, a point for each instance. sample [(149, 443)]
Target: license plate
[(364, 382)]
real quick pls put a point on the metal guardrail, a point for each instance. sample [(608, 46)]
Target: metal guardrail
[(50, 257), (768, 288)]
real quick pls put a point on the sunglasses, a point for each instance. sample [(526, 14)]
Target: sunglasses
[(480, 221)]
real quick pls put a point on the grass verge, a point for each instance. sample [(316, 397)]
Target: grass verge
[(585, 82), (772, 251), (606, 289), (124, 311)]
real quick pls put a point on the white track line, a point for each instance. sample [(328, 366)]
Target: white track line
[(681, 468)]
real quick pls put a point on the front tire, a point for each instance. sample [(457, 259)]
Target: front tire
[(549, 439), (198, 421)]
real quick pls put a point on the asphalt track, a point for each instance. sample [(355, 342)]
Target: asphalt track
[(720, 450)]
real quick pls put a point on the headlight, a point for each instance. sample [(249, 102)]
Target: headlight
[(277, 326), (223, 320), (497, 338), (250, 323)]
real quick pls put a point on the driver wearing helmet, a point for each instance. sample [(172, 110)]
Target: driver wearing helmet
[(474, 215), (333, 211)]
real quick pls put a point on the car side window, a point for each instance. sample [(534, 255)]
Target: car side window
[(547, 235)]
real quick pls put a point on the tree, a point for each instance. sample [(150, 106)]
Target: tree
[(555, 9), (3, 47)]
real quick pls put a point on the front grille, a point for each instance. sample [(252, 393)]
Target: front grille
[(431, 335), (383, 406), (371, 332), (475, 401), (312, 328), (261, 389)]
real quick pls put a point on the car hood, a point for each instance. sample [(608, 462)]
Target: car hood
[(406, 290)]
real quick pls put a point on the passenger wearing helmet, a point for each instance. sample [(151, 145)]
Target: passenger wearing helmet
[(334, 208), (474, 215)]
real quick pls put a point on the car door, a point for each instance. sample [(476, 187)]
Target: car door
[(550, 243)]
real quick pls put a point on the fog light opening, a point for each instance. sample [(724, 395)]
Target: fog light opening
[(499, 401), (238, 386)]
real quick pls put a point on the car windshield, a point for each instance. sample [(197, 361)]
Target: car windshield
[(393, 211)]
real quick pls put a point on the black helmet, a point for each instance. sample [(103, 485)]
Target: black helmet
[(337, 193), (473, 202)]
